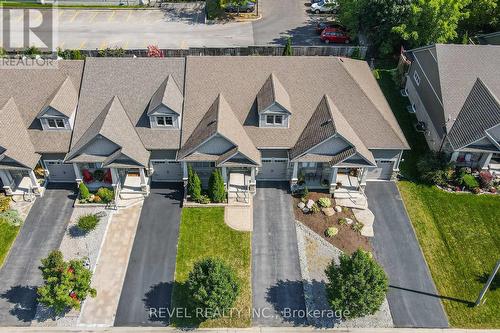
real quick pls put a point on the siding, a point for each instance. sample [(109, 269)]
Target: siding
[(386, 154), (215, 146), (100, 147), (331, 146)]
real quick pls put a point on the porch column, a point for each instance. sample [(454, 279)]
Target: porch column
[(185, 178), (144, 181), (485, 160), (224, 175), (34, 182), (295, 178), (115, 178), (364, 173), (333, 180), (78, 174), (7, 181), (253, 184), (454, 156)]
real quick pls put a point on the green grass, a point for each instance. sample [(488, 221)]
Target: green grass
[(459, 233), (460, 237), (8, 234), (203, 233)]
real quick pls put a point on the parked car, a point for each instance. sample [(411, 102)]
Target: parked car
[(314, 1), (324, 6), (334, 35), (322, 25), (248, 7)]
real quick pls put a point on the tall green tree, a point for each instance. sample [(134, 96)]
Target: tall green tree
[(432, 21), (357, 286), (287, 51), (482, 16), (216, 188), (194, 184)]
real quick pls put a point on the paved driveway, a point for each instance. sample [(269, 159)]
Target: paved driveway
[(412, 296), (41, 233), (150, 272), (276, 278)]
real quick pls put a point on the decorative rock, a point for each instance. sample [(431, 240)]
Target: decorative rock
[(305, 210), (309, 203), (367, 231), (301, 205), (328, 211), (338, 209), (349, 221), (364, 216)]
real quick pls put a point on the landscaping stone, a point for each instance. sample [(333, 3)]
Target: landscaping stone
[(364, 216), (305, 210), (338, 209), (328, 211), (310, 203), (301, 205), (349, 221), (367, 231)]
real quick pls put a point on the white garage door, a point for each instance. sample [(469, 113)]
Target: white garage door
[(273, 169), (167, 171), (382, 171), (60, 172)]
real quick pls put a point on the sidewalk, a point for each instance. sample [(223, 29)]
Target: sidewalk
[(111, 268)]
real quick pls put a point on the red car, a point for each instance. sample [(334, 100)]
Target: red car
[(334, 35)]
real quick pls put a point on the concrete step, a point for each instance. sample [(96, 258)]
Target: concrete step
[(364, 216), (131, 196), (359, 203), (346, 194)]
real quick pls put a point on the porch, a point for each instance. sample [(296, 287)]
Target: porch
[(479, 160), (21, 181)]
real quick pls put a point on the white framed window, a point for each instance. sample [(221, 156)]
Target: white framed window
[(308, 164), (275, 120), (416, 77), (164, 121), (55, 123)]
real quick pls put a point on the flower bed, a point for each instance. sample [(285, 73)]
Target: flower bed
[(102, 196), (346, 238)]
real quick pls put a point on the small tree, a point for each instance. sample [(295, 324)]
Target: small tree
[(212, 285), (84, 191), (288, 47), (154, 51), (216, 188), (194, 184), (358, 285), (66, 284)]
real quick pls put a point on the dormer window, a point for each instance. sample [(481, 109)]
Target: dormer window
[(55, 123), (273, 104), (58, 112), (165, 121), (274, 120)]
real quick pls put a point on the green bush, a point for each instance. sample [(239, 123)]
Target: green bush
[(66, 284), (331, 232), (194, 185), (356, 54), (32, 51), (214, 9), (287, 51), (357, 226), (88, 222), (469, 181), (212, 285), (3, 53), (435, 168), (70, 54), (12, 217), (107, 195), (358, 285), (84, 191), (4, 203), (315, 208), (203, 199), (216, 188), (305, 193), (117, 52), (343, 221), (325, 202)]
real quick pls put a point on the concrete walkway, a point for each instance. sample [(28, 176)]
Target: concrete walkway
[(240, 217), (111, 268)]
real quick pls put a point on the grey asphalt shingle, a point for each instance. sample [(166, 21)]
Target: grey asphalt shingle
[(273, 92), (64, 99), (169, 95)]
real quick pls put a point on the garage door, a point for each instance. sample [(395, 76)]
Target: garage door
[(60, 172), (273, 169), (167, 171), (382, 171)]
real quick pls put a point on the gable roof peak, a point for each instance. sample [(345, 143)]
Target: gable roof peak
[(167, 94), (64, 99), (273, 91)]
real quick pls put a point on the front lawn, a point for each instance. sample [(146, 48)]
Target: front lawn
[(459, 233), (460, 237), (8, 233), (202, 234)]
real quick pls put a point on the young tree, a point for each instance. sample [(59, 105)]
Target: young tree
[(216, 188), (357, 286), (288, 47), (154, 51), (194, 184), (212, 285), (66, 284)]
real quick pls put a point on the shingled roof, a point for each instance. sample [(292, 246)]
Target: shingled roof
[(15, 143), (169, 95), (64, 99), (481, 112), (220, 119), (273, 92), (114, 124), (326, 122)]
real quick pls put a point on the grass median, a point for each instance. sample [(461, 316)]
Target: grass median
[(8, 234)]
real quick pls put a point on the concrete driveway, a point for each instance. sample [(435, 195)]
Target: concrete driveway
[(276, 278), (150, 272), (41, 233), (413, 299)]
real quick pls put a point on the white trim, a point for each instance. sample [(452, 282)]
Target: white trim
[(492, 139)]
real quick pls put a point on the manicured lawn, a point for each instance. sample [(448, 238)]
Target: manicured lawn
[(8, 234), (202, 234), (460, 237), (458, 233)]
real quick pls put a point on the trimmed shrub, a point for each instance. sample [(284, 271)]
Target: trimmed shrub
[(212, 285), (4, 203), (331, 232), (105, 194), (485, 179), (88, 222), (194, 184), (216, 188), (469, 181), (324, 202), (434, 168), (12, 217), (84, 191), (315, 208), (66, 284), (358, 284), (204, 199)]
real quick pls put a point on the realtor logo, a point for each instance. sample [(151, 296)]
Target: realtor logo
[(27, 27)]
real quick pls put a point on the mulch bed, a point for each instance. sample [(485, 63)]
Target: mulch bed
[(347, 239)]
